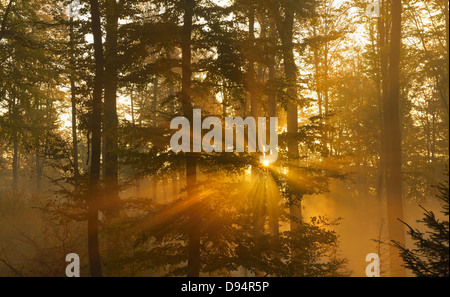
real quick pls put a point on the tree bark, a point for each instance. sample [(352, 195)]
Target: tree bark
[(5, 17), (93, 194), (382, 27), (155, 100), (393, 173), (73, 101), (193, 266), (254, 106), (285, 30), (224, 99), (272, 112), (15, 160), (133, 122), (15, 165), (110, 111)]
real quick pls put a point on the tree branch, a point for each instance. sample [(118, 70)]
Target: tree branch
[(5, 16)]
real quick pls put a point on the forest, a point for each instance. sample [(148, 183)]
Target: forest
[(353, 95)]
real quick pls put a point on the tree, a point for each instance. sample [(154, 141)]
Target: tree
[(193, 268), (5, 19), (111, 61), (357, 103), (93, 194), (393, 141), (430, 257), (285, 13)]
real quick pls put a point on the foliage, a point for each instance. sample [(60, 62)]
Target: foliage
[(430, 256)]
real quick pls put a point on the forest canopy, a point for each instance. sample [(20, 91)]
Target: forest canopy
[(88, 92)]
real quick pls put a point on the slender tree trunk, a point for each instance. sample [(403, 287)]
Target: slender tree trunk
[(326, 139), (110, 109), (319, 92), (15, 165), (133, 121), (93, 195), (155, 100), (446, 16), (73, 101), (379, 47), (255, 112), (37, 144), (393, 175), (272, 112), (5, 17), (39, 167), (285, 31), (193, 266), (383, 31), (444, 90), (254, 106), (317, 77), (172, 94), (224, 100), (15, 160), (110, 136)]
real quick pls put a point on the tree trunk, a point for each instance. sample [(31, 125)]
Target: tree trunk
[(172, 94), (15, 165), (193, 266), (254, 106), (110, 112), (39, 167), (93, 194), (133, 122), (15, 160), (5, 17), (155, 100), (326, 138), (383, 30), (290, 69), (272, 112), (73, 101), (444, 93), (285, 31), (378, 43), (392, 117), (224, 99)]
